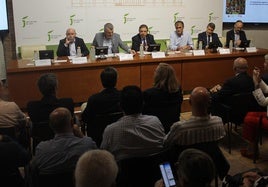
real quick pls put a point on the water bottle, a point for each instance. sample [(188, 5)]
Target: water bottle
[(231, 45), (200, 45), (141, 50), (78, 52), (92, 53), (36, 55)]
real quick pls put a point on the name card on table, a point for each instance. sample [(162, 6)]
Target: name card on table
[(79, 60), (224, 51), (158, 55), (251, 49), (43, 62), (198, 52), (125, 57)]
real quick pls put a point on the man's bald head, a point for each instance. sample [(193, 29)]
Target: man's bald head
[(60, 120), (240, 65), (200, 100)]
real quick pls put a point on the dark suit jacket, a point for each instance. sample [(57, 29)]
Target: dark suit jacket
[(79, 42), (231, 36), (107, 101), (241, 83), (166, 106), (203, 37), (39, 110), (136, 41)]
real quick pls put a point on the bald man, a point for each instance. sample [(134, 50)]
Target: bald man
[(240, 83), (61, 153), (237, 35), (201, 127), (68, 46)]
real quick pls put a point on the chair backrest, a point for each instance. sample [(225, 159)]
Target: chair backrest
[(140, 171), (27, 51), (99, 123)]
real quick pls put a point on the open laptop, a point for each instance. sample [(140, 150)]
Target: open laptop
[(46, 54), (154, 47)]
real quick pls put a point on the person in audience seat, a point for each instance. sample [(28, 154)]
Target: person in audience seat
[(164, 99), (134, 134), (96, 168)]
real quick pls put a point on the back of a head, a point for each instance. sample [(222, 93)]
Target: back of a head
[(109, 77), (195, 168), (48, 84), (96, 168), (240, 65), (165, 78), (131, 100), (200, 100), (60, 120)]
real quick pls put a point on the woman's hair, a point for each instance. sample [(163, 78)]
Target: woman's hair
[(165, 78), (195, 168)]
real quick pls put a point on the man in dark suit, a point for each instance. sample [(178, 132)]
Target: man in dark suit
[(110, 39), (69, 45), (240, 83), (142, 38), (208, 37), (237, 35)]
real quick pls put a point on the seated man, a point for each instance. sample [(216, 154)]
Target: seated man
[(208, 37), (110, 39), (96, 168), (61, 153), (142, 38), (180, 40), (103, 103), (68, 46), (237, 35), (134, 134), (201, 127)]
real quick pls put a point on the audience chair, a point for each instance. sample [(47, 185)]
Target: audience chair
[(99, 123), (141, 171), (41, 131), (27, 51), (234, 114)]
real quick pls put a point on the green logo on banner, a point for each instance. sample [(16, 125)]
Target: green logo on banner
[(175, 17), (125, 18), (101, 30), (192, 29), (24, 21), (210, 16), (149, 29), (72, 19), (49, 35)]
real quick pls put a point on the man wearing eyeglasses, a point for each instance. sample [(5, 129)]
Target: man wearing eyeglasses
[(237, 35)]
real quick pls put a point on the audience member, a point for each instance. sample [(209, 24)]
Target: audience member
[(251, 121), (134, 134), (240, 83), (110, 39), (61, 153), (201, 127), (209, 37), (96, 168), (12, 156), (180, 40), (40, 110), (164, 99), (193, 168), (103, 103), (142, 38), (237, 35), (12, 116), (68, 46)]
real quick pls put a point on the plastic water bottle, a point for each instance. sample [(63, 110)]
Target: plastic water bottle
[(92, 53), (36, 55), (200, 45), (231, 45), (78, 52), (141, 50)]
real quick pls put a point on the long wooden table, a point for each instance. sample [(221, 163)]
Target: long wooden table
[(79, 81)]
